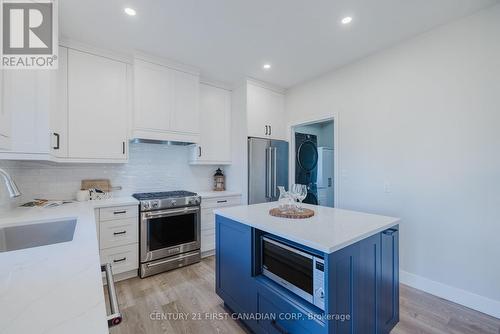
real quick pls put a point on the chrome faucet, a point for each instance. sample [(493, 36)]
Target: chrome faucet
[(10, 184)]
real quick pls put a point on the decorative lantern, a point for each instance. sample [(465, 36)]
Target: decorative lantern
[(219, 180)]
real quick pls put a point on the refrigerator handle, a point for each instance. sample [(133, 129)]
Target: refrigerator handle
[(274, 185), (269, 180)]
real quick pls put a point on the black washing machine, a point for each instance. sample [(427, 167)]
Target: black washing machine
[(306, 164)]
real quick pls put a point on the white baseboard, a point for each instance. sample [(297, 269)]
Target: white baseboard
[(207, 253), (459, 296)]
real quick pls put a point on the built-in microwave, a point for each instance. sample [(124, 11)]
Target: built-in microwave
[(294, 269)]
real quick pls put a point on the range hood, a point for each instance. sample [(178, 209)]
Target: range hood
[(164, 137), (162, 142)]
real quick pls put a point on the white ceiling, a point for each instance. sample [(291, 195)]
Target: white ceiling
[(231, 39)]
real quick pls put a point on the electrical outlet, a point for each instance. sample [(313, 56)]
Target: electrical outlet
[(387, 187)]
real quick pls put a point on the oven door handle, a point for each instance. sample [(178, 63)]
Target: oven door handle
[(168, 213)]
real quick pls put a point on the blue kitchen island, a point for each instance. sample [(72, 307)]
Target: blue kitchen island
[(335, 273)]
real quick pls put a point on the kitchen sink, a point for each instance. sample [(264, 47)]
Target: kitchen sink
[(36, 234)]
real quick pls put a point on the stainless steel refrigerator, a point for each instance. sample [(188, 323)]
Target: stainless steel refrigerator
[(267, 169)]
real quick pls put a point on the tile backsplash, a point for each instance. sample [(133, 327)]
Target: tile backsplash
[(151, 167)]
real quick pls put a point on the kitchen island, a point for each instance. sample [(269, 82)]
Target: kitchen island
[(336, 272)]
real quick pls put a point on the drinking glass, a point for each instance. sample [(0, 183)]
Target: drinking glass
[(301, 190)]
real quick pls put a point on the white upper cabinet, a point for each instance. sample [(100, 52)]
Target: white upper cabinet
[(153, 91), (186, 115), (4, 119), (27, 101), (265, 112), (97, 107), (215, 137), (166, 102), (59, 107)]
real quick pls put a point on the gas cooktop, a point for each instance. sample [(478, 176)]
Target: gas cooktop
[(167, 200), (163, 195)]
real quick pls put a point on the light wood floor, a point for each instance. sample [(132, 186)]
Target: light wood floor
[(191, 290)]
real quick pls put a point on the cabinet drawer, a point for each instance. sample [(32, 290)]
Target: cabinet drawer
[(119, 212), (220, 202), (207, 240), (118, 232), (285, 316), (123, 258)]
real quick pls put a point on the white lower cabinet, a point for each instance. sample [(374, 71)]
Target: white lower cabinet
[(208, 220), (118, 229), (119, 232), (122, 258)]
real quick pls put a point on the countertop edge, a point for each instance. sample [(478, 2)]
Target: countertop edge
[(311, 244)]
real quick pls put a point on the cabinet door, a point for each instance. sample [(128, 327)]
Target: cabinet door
[(186, 114), (207, 230), (388, 308), (265, 113), (277, 115), (26, 100), (257, 111), (215, 115), (153, 92), (4, 118), (234, 281), (59, 107), (98, 116)]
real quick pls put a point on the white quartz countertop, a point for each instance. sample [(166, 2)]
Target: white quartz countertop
[(55, 288), (328, 230)]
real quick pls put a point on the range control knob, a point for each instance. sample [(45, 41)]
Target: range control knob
[(173, 202), (145, 205), (155, 205)]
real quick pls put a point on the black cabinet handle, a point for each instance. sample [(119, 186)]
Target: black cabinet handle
[(267, 130), (270, 130), (224, 201), (120, 212), (199, 151), (390, 231), (58, 137), (120, 260), (123, 148), (278, 327), (118, 233)]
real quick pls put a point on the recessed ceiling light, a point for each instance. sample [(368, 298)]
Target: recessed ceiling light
[(267, 66), (130, 11), (346, 20)]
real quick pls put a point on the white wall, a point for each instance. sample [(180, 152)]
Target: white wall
[(323, 132), (151, 167), (423, 119)]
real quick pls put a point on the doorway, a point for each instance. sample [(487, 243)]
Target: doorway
[(313, 160)]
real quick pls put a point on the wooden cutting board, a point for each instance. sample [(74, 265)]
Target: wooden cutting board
[(102, 184), (305, 213)]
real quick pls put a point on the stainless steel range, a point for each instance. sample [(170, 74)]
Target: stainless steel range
[(169, 231)]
